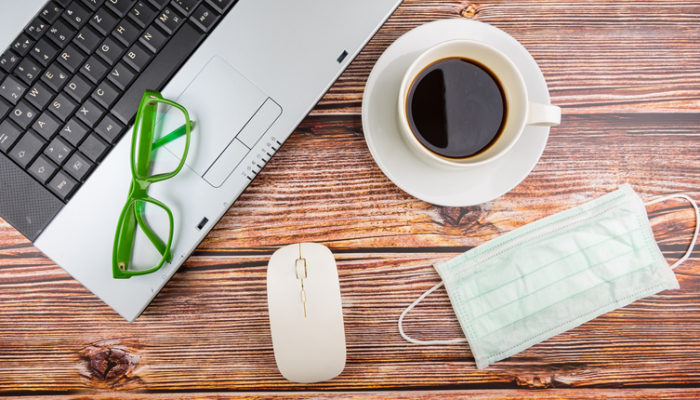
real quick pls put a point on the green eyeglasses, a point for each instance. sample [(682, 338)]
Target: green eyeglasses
[(135, 213)]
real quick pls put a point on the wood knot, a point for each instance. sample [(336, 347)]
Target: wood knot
[(460, 216), (469, 11), (534, 382), (108, 366)]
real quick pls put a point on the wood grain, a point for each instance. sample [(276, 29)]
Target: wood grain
[(617, 394), (208, 328), (597, 56), (626, 74)]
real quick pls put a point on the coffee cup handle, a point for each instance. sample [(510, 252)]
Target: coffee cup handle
[(543, 115)]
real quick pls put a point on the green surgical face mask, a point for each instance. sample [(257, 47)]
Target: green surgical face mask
[(553, 275)]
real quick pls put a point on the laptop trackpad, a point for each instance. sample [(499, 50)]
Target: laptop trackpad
[(230, 115)]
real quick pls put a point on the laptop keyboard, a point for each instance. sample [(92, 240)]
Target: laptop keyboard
[(72, 82)]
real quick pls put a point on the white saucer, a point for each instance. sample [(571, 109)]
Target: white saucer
[(437, 186)]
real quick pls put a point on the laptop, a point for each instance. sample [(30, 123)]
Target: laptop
[(72, 74)]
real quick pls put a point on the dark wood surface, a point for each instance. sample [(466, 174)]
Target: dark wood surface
[(627, 76)]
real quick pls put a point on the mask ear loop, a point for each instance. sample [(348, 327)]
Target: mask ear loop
[(697, 223), (462, 340), (424, 342)]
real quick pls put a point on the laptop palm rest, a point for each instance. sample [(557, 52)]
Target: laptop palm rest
[(230, 115)]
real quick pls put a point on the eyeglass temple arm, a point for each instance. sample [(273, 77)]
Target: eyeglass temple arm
[(125, 238), (171, 136), (159, 245)]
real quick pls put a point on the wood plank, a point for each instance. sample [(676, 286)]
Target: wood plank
[(612, 394), (597, 56), (208, 328)]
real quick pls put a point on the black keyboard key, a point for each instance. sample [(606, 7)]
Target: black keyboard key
[(142, 14), (103, 21), (126, 32), (71, 58), (8, 61), (9, 133), (137, 57), (62, 106), (63, 3), (12, 89), (153, 39), (110, 129), (43, 169), (26, 150), (90, 113), (24, 114), (94, 147), (159, 71), (93, 4), (39, 95), (74, 132), (51, 12), (46, 125), (28, 71), (36, 28), (78, 166), (159, 3), (22, 45), (58, 150), (106, 94), (120, 7), (60, 33), (121, 75), (63, 185), (204, 18), (55, 77), (94, 69), (169, 20), (221, 5), (185, 6), (76, 15), (110, 51), (79, 88), (44, 52), (5, 107), (87, 39)]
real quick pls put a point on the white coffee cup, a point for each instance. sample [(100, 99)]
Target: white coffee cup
[(520, 112)]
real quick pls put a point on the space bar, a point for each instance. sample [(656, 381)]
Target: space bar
[(163, 66)]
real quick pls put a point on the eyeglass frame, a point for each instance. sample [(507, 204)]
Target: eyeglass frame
[(138, 196)]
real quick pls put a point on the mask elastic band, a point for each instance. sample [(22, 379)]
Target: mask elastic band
[(697, 223), (462, 340), (409, 308)]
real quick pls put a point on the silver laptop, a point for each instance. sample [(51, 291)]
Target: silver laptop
[(248, 72)]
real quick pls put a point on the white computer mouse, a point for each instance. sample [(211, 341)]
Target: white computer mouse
[(306, 314)]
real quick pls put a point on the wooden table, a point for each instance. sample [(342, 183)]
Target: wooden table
[(627, 76)]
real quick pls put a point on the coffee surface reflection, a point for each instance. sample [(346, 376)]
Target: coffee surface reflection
[(456, 108)]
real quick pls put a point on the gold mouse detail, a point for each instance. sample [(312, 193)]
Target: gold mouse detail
[(300, 266)]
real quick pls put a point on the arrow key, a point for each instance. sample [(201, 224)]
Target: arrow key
[(58, 150), (26, 150), (43, 169)]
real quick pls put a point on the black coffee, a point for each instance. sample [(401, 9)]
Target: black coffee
[(456, 108)]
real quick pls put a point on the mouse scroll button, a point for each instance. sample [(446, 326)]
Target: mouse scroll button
[(301, 268)]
